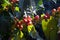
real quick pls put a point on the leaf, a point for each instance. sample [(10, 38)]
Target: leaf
[(4, 5), (6, 1), (44, 23), (40, 2), (42, 15), (21, 34), (17, 9), (50, 28), (31, 28)]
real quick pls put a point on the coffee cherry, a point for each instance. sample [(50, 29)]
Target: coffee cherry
[(58, 9), (29, 18), (25, 20), (17, 0), (29, 23), (14, 1), (47, 15), (18, 24), (53, 11), (25, 16), (36, 17), (21, 27)]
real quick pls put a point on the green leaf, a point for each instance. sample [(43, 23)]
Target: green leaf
[(50, 28), (17, 9), (40, 2), (31, 28), (45, 23)]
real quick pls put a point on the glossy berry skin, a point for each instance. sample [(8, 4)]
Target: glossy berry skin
[(36, 17), (21, 27), (47, 16), (25, 16), (18, 24), (28, 16), (25, 20), (29, 19), (58, 9), (14, 1), (53, 10), (29, 23)]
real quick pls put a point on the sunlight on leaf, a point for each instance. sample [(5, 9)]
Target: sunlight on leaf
[(17, 9), (44, 23)]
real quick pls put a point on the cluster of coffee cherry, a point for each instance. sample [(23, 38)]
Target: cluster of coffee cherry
[(28, 20), (55, 10), (10, 5)]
